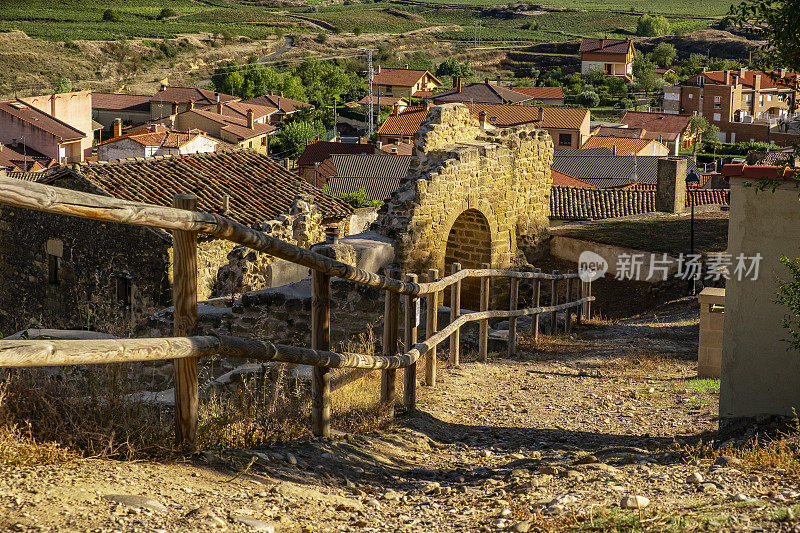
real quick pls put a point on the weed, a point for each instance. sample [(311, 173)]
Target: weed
[(703, 386)]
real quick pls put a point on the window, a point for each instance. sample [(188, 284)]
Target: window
[(717, 117), (701, 81), (53, 269), (263, 141), (122, 292), (565, 139), (691, 96), (717, 102)]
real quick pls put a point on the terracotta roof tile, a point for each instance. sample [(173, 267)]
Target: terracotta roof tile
[(287, 105), (655, 124), (486, 93), (157, 135), (503, 116), (608, 170), (606, 46), (770, 79), (259, 189), (624, 145), (406, 123), (541, 93), (562, 180), (185, 94), (234, 124)]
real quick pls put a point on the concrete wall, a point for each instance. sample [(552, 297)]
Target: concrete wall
[(759, 375), (13, 128), (712, 321), (73, 108), (120, 149)]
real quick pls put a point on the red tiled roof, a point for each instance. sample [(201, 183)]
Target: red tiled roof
[(406, 123), (398, 148), (400, 77), (562, 180), (234, 124), (239, 109), (185, 94), (656, 122), (503, 116), (624, 145), (121, 102), (606, 46), (717, 77), (259, 189), (629, 133), (318, 151), (486, 93), (541, 93), (23, 159), (755, 171), (287, 105), (157, 135), (41, 120)]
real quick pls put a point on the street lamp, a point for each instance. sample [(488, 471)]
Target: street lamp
[(692, 178)]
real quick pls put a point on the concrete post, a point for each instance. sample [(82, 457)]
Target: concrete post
[(671, 185)]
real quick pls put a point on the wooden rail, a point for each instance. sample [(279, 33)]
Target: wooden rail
[(185, 347)]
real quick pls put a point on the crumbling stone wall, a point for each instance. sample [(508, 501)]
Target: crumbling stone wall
[(456, 167)]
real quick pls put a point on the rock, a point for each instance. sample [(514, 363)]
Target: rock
[(549, 470), (520, 527), (392, 495), (744, 498), (137, 502), (207, 516), (694, 478), (586, 460), (499, 523), (505, 513), (372, 502), (291, 459), (253, 523), (708, 487), (486, 453), (634, 502), (754, 479), (727, 460)]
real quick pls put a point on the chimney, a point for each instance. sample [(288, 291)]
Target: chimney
[(727, 77), (602, 43), (498, 80), (482, 120), (219, 108), (280, 95), (486, 81), (394, 151), (455, 82), (190, 105), (734, 80), (782, 72), (216, 97), (459, 84), (406, 66), (226, 204), (163, 86), (379, 70), (174, 108), (378, 145), (757, 82), (742, 72), (332, 234), (395, 110), (250, 119), (671, 185), (541, 115), (53, 105), (613, 149), (14, 142), (1, 147), (117, 127)]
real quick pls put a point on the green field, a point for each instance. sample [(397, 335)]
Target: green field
[(76, 19)]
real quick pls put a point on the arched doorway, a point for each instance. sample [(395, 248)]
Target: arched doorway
[(469, 243)]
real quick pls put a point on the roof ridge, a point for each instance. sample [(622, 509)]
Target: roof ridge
[(49, 115)]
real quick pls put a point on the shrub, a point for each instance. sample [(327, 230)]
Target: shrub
[(356, 31), (109, 15), (653, 26), (166, 13), (588, 99), (354, 199)]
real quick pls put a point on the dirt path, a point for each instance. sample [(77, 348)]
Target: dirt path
[(552, 439)]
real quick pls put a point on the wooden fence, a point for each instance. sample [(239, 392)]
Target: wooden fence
[(186, 347)]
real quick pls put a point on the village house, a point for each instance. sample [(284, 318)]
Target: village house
[(612, 57), (400, 127), (378, 175), (746, 105), (386, 101), (153, 140), (670, 130), (548, 96), (602, 169), (130, 108), (72, 273), (21, 158), (627, 145), (171, 100), (23, 124), (227, 126), (284, 107), (318, 151), (484, 93), (404, 82)]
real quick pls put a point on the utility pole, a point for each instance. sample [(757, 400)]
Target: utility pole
[(370, 106)]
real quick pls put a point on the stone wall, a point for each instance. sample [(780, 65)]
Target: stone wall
[(501, 178)]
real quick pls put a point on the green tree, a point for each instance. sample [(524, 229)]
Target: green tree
[(453, 67), (166, 13), (652, 26), (588, 99), (296, 135), (663, 55), (698, 125), (616, 86), (357, 31), (778, 22), (64, 86), (644, 71), (322, 80), (109, 15), (693, 65)]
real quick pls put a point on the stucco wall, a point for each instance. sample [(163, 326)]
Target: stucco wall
[(759, 375), (74, 108), (120, 149)]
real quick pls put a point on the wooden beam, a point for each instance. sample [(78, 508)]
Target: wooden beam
[(553, 302), (537, 291), (432, 315), (568, 312), (410, 331), (512, 321), (455, 312), (391, 318), (320, 340), (184, 296), (483, 330)]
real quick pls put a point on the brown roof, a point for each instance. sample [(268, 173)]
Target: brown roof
[(259, 189), (41, 120), (23, 159), (287, 105), (487, 93), (157, 135), (406, 123), (121, 102), (608, 131), (562, 180), (657, 125), (185, 94), (319, 151), (606, 46), (624, 145), (239, 109), (541, 93), (398, 148), (503, 116), (234, 124), (400, 77), (717, 77), (384, 100)]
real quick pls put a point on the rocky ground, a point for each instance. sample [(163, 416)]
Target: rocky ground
[(591, 432)]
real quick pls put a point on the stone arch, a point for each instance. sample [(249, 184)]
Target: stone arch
[(469, 242)]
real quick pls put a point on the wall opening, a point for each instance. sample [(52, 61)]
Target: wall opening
[(469, 243)]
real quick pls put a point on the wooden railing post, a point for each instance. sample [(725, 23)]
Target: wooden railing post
[(512, 320), (586, 290), (430, 329), (554, 301), (568, 312), (391, 318), (455, 312), (184, 297), (537, 290), (483, 337), (320, 340), (579, 309), (412, 321)]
